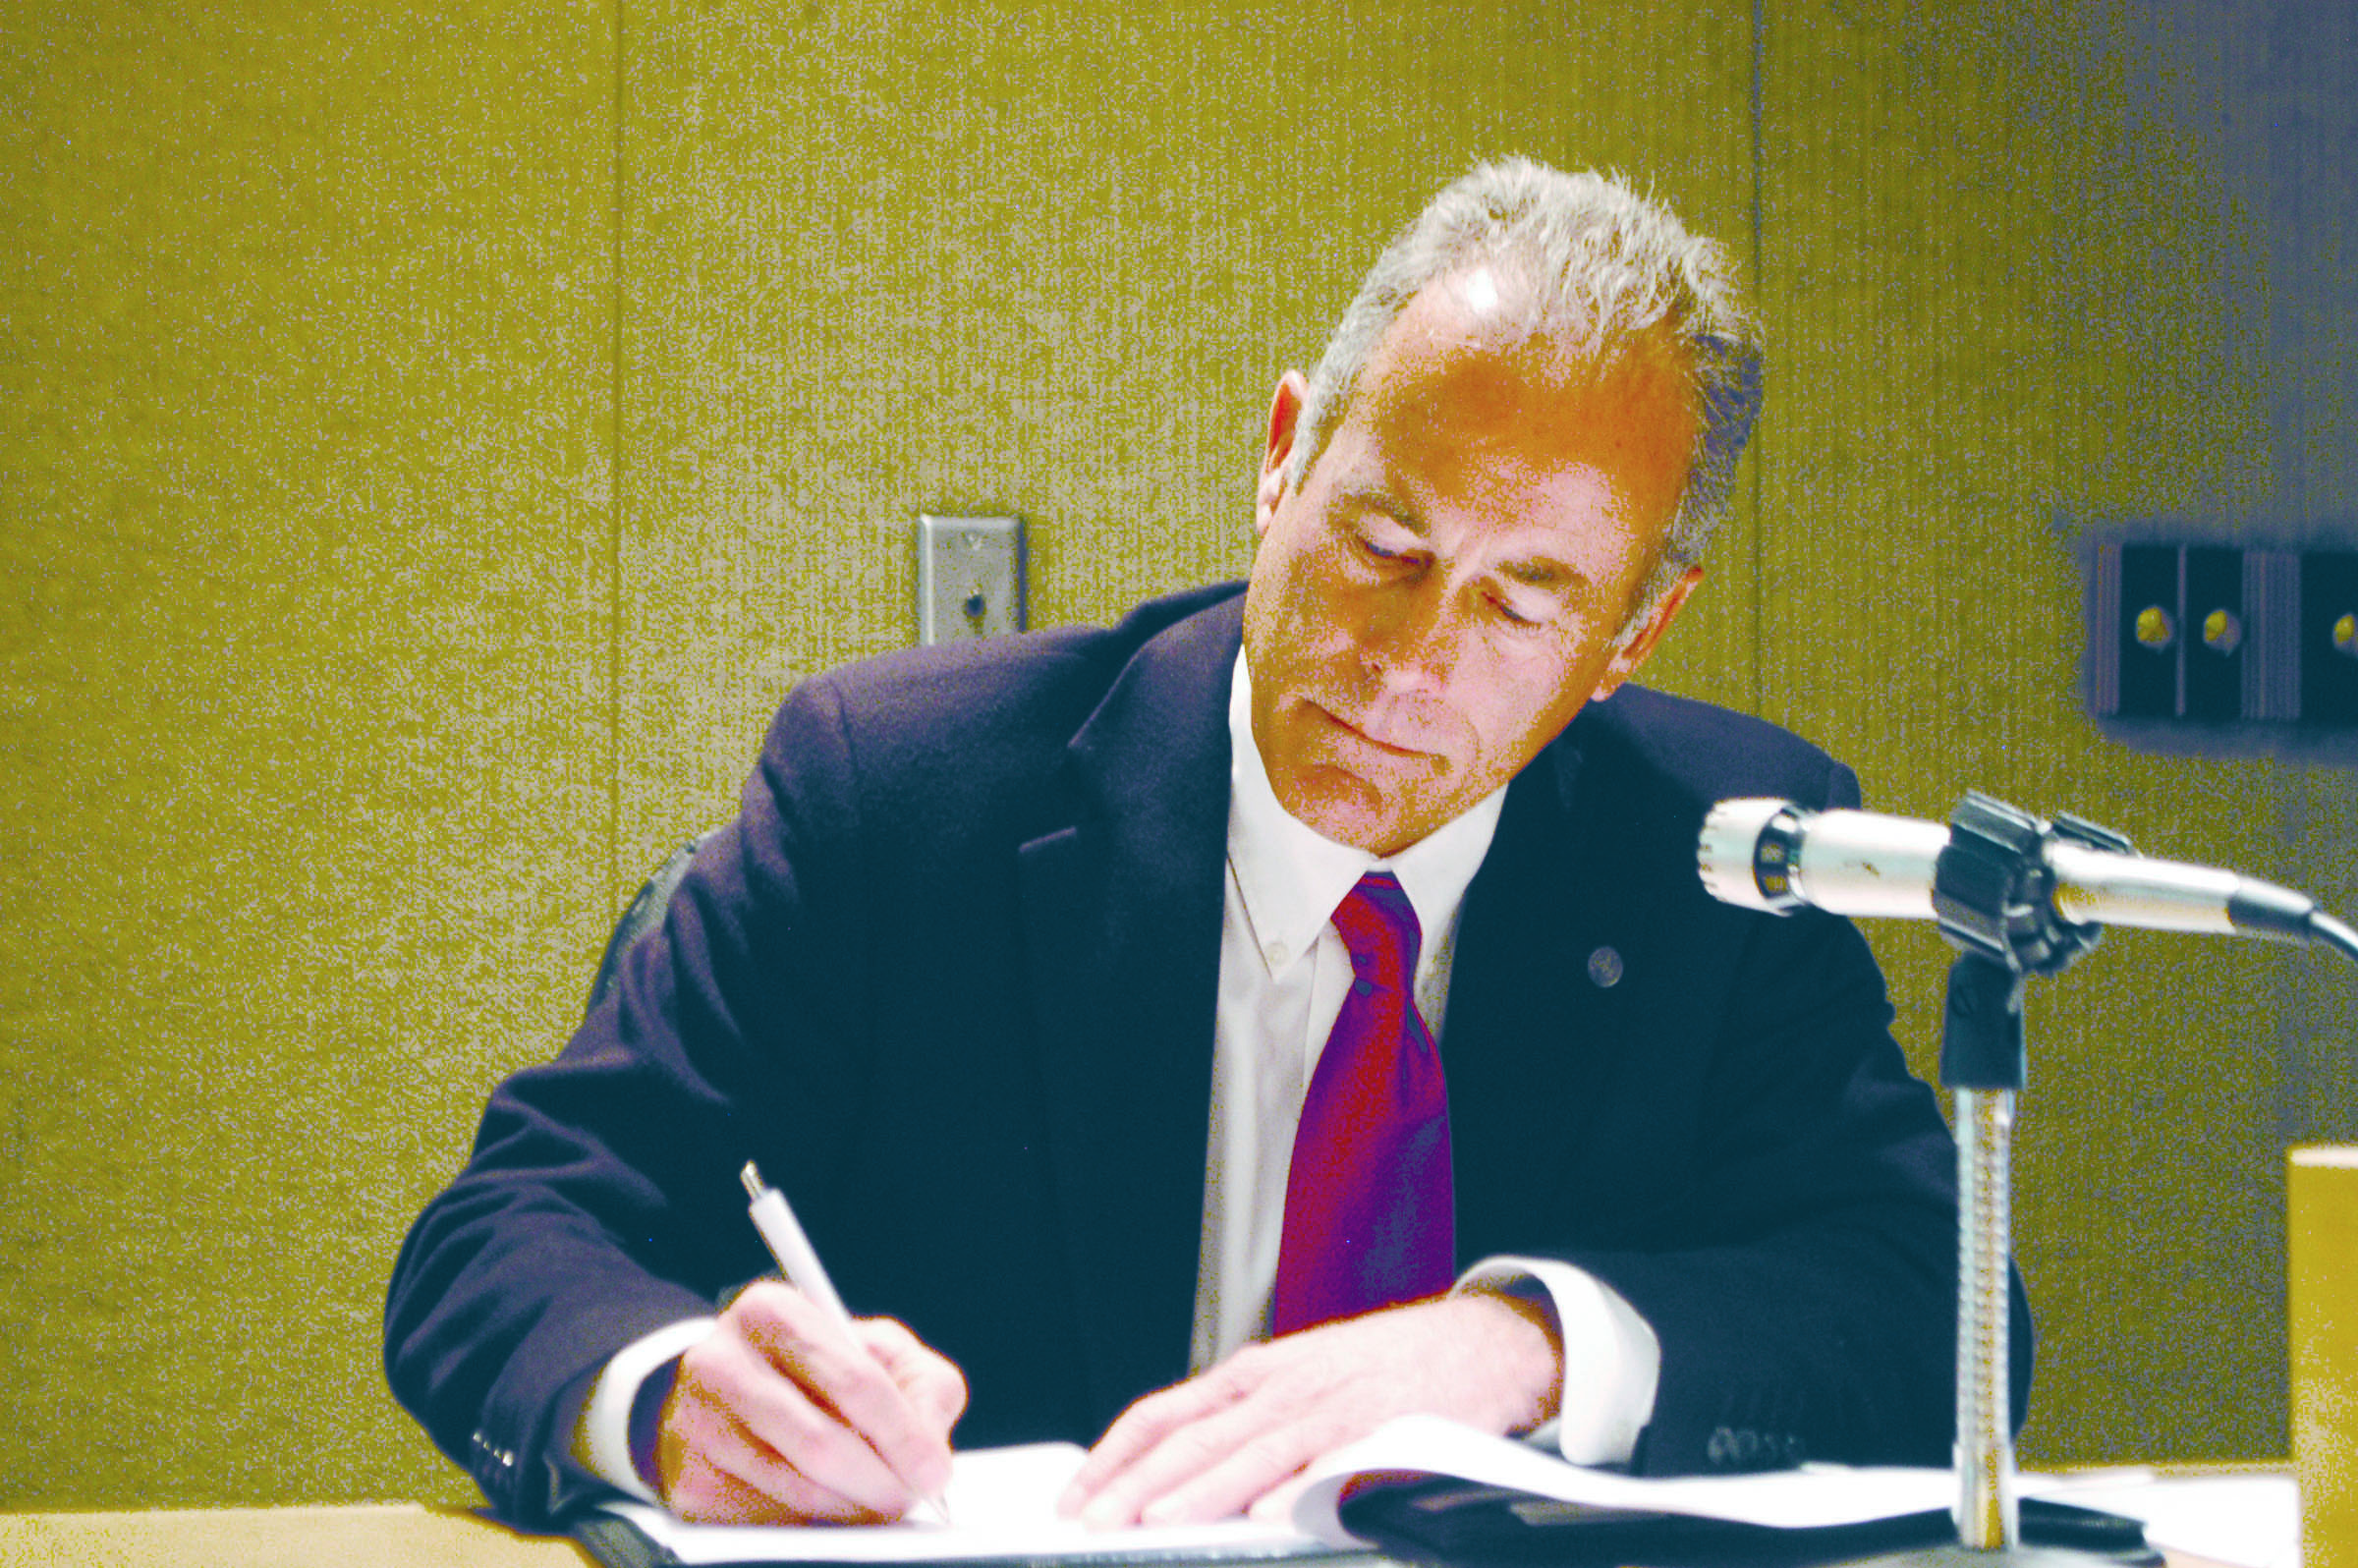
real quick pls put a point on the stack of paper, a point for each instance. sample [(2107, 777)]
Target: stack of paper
[(1003, 1504)]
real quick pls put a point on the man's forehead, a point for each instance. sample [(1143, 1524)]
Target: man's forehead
[(1472, 336), (1446, 394)]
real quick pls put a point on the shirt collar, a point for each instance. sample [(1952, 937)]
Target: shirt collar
[(1291, 876)]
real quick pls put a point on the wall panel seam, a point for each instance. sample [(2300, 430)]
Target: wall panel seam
[(1757, 651), (618, 493)]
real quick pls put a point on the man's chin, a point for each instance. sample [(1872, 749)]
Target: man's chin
[(1350, 810)]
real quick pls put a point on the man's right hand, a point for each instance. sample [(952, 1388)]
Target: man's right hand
[(774, 1419)]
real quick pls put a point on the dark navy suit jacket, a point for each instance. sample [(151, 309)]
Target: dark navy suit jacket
[(949, 977)]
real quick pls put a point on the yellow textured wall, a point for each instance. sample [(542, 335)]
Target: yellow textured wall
[(2031, 314), (2020, 263), (304, 695), (1045, 259), (431, 439)]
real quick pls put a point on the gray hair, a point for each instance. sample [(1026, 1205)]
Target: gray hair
[(1595, 265)]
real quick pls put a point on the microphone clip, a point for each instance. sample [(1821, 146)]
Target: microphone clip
[(1993, 889)]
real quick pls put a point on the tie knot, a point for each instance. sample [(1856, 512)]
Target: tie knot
[(1378, 926)]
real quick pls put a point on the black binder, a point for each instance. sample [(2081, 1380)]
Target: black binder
[(1466, 1524)]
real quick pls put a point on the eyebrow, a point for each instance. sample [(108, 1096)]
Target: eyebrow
[(1375, 499), (1542, 571)]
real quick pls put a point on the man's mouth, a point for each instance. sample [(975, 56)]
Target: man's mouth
[(1359, 731)]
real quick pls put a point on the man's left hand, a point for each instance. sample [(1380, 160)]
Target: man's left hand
[(1223, 1440)]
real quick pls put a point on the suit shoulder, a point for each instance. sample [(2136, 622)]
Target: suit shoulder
[(1014, 700), (1698, 753)]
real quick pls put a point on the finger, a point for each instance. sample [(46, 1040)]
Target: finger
[(788, 1436), (687, 1481), (1248, 1469), (795, 1495), (1133, 1433), (841, 1372), (1157, 1443), (709, 1490), (931, 1381), (1206, 1469), (769, 1430), (712, 1469), (702, 1493)]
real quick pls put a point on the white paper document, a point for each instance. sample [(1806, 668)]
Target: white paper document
[(2252, 1521), (1005, 1504), (1813, 1496)]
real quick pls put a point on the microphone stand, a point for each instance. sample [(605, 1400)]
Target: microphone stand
[(1993, 896)]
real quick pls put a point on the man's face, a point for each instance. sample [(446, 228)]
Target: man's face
[(1450, 581)]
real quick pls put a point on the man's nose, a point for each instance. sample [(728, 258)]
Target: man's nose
[(1411, 640)]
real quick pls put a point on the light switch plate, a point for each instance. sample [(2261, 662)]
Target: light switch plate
[(970, 577)]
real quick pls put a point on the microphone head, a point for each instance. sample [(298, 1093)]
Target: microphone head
[(1730, 854)]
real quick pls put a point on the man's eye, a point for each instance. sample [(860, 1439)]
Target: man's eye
[(1377, 551), (1514, 618)]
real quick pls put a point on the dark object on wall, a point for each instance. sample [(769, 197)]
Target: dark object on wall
[(2148, 623), (2328, 638), (2211, 669), (2205, 648)]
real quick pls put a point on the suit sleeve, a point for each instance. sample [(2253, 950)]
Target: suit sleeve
[(600, 1199), (1802, 1277)]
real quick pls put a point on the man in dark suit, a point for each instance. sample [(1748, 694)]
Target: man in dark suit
[(997, 924)]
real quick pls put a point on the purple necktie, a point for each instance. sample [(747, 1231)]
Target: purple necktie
[(1370, 1219)]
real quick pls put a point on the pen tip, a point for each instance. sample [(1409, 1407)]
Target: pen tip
[(752, 1177)]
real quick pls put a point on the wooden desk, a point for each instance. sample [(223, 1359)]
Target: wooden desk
[(358, 1536)]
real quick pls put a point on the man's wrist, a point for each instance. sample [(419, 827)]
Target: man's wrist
[(1611, 1358), (613, 1435), (1533, 1353)]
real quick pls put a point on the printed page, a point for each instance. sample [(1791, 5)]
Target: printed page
[(2251, 1521), (1811, 1497), (1003, 1504)]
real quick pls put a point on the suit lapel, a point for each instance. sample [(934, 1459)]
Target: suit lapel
[(1536, 1008), (1122, 933)]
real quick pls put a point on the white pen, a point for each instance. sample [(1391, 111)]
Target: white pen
[(782, 1234)]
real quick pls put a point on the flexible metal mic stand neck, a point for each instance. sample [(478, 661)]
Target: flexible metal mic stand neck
[(1992, 894)]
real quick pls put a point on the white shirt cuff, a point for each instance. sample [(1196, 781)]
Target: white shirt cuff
[(1612, 1360), (602, 1436)]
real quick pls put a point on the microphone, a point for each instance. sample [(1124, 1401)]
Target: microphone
[(1773, 855)]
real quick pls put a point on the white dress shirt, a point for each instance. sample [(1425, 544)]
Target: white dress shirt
[(1283, 974)]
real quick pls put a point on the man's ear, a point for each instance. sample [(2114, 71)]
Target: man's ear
[(1638, 645), (1285, 423)]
